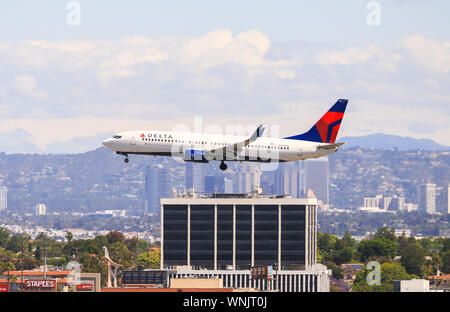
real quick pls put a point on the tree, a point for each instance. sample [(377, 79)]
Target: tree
[(413, 258), (446, 245), (393, 271), (37, 253), (6, 260), (385, 233), (377, 247), (349, 241), (446, 262), (16, 242), (389, 273), (325, 241), (142, 245), (132, 244), (4, 237), (342, 256), (120, 254), (69, 237), (336, 270), (115, 236), (150, 260)]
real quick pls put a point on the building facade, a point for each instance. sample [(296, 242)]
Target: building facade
[(314, 280), (156, 187), (41, 210), (195, 176), (318, 178), (226, 237), (3, 198), (443, 200), (216, 233), (427, 198), (289, 179)]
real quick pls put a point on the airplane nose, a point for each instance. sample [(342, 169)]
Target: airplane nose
[(107, 143)]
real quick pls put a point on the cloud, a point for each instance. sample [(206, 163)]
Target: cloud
[(26, 85), (57, 91), (430, 54)]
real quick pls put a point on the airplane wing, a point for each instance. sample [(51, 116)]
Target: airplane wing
[(330, 146), (231, 151)]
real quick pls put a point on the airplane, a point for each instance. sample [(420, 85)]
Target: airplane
[(201, 147)]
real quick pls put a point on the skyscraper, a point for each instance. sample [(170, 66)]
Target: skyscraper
[(289, 179), (3, 198), (156, 187), (247, 178), (41, 210), (228, 185), (427, 198), (317, 178), (195, 176), (443, 200), (397, 204)]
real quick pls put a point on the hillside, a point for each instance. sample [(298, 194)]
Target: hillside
[(379, 141), (99, 179)]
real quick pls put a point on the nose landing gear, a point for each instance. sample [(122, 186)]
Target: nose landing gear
[(126, 160), (223, 166)]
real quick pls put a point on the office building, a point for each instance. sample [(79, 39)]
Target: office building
[(373, 202), (397, 204), (409, 207), (156, 187), (317, 178), (386, 203), (414, 285), (443, 200), (427, 198), (41, 210), (195, 176), (226, 237), (228, 185), (247, 177), (3, 198), (289, 179)]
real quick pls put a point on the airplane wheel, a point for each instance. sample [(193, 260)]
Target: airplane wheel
[(126, 160), (223, 166)]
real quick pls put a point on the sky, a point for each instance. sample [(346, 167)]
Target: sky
[(75, 72)]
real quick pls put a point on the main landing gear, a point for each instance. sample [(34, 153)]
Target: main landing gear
[(223, 166)]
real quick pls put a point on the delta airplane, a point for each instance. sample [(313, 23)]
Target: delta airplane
[(199, 147)]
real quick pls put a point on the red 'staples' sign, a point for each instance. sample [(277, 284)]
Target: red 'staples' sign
[(40, 284), (4, 288)]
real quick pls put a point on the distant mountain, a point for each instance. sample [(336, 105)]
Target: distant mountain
[(379, 140)]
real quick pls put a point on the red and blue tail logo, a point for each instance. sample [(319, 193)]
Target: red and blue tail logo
[(327, 128)]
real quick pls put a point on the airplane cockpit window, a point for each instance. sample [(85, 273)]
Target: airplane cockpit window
[(117, 136)]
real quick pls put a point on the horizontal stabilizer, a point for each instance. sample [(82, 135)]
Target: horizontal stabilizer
[(331, 146)]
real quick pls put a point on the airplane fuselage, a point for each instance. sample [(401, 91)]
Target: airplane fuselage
[(173, 143)]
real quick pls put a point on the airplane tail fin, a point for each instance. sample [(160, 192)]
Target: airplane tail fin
[(327, 128)]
